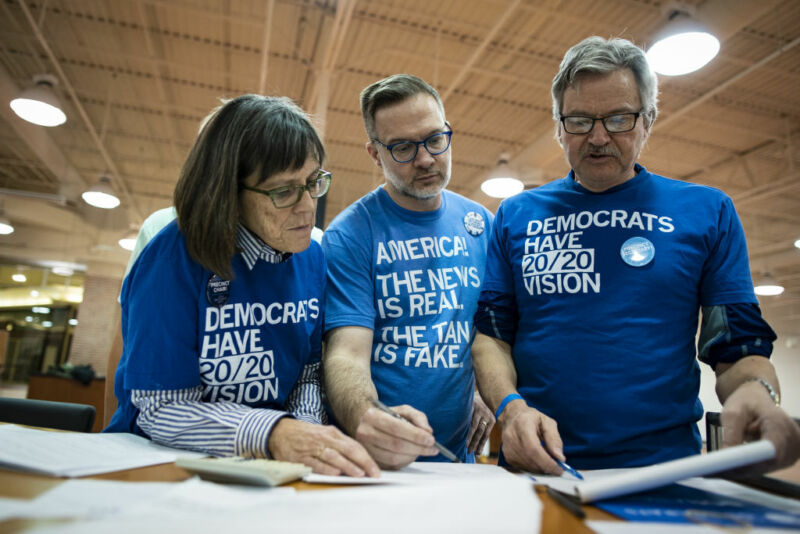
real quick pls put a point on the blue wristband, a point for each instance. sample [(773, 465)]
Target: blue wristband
[(510, 397)]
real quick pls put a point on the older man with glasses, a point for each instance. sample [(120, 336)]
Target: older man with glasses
[(589, 310), (405, 265)]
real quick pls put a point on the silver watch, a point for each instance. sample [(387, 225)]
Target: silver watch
[(773, 394)]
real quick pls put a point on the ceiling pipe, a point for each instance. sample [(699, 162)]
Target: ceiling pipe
[(61, 200)]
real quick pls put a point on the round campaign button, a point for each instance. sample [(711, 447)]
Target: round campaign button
[(637, 251), (218, 290), (474, 223)]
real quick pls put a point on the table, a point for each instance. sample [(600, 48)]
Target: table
[(555, 519)]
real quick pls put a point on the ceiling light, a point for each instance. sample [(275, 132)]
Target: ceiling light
[(768, 287), (41, 309), (39, 104), (5, 226), (73, 322), (34, 293), (47, 324), (682, 46), (129, 241), (502, 182), (101, 194), (19, 277), (797, 243), (62, 271)]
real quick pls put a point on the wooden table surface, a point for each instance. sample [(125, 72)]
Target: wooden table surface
[(555, 519)]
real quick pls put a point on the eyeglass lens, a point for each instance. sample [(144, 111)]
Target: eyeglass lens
[(407, 150), (623, 122), (283, 198)]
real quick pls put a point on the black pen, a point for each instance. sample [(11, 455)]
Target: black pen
[(567, 502), (447, 453)]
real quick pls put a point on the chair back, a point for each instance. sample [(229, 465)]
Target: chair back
[(47, 414)]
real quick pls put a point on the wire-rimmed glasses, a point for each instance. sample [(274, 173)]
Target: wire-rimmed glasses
[(617, 123)]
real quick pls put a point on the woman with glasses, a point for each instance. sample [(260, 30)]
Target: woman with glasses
[(222, 311)]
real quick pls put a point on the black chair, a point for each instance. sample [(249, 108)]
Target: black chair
[(768, 483), (47, 414)]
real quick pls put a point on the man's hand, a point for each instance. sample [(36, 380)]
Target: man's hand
[(750, 414), (393, 442), (324, 448), (530, 439), (481, 426)]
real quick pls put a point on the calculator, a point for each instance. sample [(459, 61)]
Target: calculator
[(249, 471)]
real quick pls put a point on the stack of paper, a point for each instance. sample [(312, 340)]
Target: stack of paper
[(72, 454)]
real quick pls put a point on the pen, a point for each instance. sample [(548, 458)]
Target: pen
[(571, 470), (447, 453), (563, 465), (567, 502)]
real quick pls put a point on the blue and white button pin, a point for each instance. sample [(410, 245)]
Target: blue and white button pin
[(474, 223), (637, 251)]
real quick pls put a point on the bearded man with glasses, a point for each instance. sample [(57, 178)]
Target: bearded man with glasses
[(405, 264), (589, 309)]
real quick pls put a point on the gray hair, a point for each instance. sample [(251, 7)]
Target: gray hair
[(392, 90), (596, 55)]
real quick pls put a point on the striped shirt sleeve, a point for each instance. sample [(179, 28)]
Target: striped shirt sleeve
[(180, 419), (305, 399)]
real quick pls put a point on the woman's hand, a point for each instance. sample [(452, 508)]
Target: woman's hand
[(322, 447)]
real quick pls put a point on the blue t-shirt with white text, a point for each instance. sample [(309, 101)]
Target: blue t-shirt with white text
[(414, 279)]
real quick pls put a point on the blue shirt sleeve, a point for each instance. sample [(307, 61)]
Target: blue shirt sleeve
[(496, 315), (726, 273), (349, 293)]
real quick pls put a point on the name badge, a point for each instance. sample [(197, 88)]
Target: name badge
[(217, 290), (637, 251)]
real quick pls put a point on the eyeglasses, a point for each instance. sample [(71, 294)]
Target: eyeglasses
[(405, 151), (619, 123), (289, 195)]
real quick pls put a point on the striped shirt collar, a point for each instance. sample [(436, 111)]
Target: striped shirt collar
[(253, 248)]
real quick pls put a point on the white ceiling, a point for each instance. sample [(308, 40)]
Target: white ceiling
[(137, 77)]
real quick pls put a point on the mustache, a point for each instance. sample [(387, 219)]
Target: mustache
[(428, 173), (601, 150)]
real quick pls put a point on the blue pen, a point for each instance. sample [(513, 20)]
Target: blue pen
[(563, 465), (571, 470)]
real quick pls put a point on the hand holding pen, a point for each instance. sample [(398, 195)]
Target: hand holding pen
[(394, 441), (447, 453), (531, 441)]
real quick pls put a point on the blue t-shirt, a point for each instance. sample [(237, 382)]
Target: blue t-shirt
[(606, 289), (244, 341), (414, 279)]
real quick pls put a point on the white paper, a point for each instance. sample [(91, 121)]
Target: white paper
[(624, 527), (73, 454), (91, 499), (11, 507), (507, 505), (657, 475), (418, 473)]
